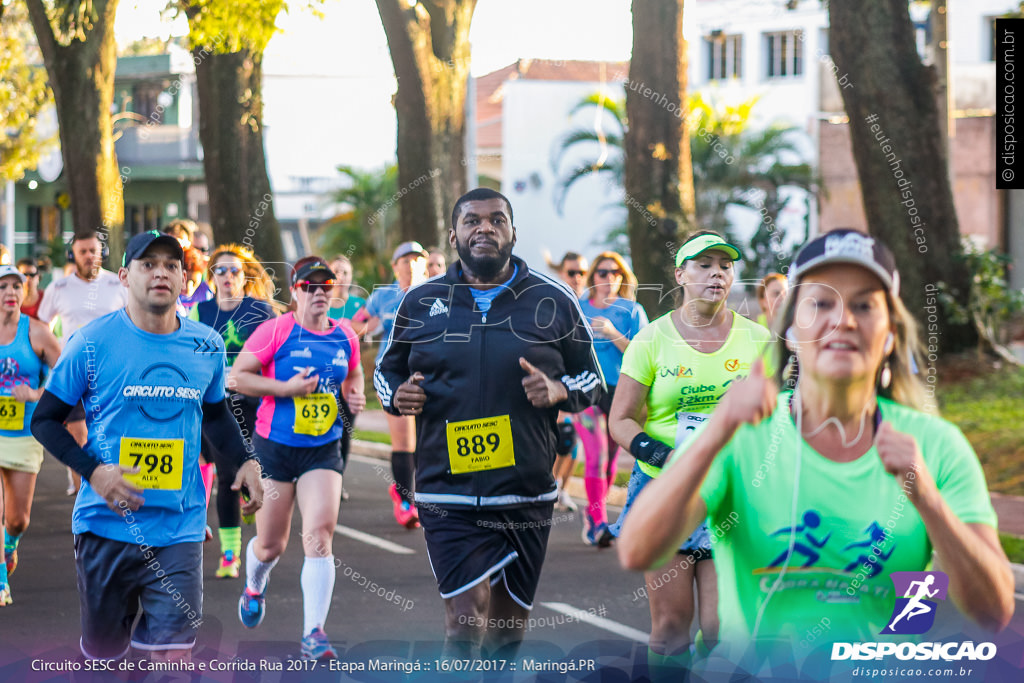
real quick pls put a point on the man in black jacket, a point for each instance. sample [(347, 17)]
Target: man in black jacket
[(485, 356)]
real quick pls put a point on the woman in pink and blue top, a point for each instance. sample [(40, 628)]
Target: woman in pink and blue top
[(615, 316), (302, 364)]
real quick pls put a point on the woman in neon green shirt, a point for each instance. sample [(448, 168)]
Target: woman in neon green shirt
[(673, 374), (823, 491)]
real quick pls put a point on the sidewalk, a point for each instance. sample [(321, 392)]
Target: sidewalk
[(1010, 509)]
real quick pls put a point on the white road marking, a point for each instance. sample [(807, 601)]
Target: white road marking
[(600, 622), (370, 539)]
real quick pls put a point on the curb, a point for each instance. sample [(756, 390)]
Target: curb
[(1018, 577)]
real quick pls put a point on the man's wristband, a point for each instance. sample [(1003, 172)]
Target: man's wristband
[(646, 448)]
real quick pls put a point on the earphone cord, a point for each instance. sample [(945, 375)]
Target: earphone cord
[(792, 520), (839, 426)]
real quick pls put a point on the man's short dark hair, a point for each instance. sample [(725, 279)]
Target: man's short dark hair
[(87, 234), (480, 194)]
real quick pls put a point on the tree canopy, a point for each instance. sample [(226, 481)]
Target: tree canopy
[(24, 95)]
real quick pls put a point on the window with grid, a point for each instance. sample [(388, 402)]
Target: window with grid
[(784, 54), (725, 56)]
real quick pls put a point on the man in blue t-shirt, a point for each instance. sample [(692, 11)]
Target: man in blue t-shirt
[(150, 381)]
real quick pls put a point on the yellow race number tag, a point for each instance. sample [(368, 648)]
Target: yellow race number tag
[(160, 462), (477, 445), (315, 413), (12, 414)]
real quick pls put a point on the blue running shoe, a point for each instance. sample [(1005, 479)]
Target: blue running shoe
[(316, 646), (589, 534), (251, 608)]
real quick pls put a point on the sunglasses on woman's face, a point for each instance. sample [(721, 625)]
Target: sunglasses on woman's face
[(30, 273), (306, 285), (605, 272), (224, 270)]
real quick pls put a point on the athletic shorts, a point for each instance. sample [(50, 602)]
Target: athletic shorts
[(288, 463), (116, 578), (466, 546), (21, 453), (605, 403), (697, 546)]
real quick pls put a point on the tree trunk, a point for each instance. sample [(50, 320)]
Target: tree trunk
[(81, 75), (659, 174), (229, 87), (429, 46), (900, 152)]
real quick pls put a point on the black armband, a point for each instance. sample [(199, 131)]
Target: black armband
[(221, 428), (566, 438), (646, 448), (48, 428)]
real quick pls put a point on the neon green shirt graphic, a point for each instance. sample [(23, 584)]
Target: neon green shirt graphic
[(686, 384), (854, 526)]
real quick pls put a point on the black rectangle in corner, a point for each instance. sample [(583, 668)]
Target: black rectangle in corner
[(1009, 52)]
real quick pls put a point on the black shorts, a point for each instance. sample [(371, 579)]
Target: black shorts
[(468, 545), (288, 463), (116, 578), (605, 403)]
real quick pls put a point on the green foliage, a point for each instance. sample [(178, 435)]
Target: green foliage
[(227, 26), (607, 132), (986, 408), (72, 19), (991, 304), (24, 95), (373, 437), (1014, 547), (361, 230), (732, 165), (148, 46)]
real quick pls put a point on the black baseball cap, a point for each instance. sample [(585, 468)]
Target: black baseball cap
[(846, 245), (138, 245), (306, 270)]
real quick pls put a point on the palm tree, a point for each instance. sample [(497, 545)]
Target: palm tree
[(607, 132), (732, 165), (360, 231)]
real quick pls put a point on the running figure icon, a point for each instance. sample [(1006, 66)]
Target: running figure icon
[(812, 520), (915, 606)]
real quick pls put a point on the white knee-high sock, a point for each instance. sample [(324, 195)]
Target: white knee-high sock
[(257, 572), (317, 589)]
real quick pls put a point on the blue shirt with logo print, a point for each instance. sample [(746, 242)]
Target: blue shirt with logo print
[(137, 385)]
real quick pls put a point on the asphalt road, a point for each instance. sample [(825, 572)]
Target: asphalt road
[(386, 610), (385, 597)]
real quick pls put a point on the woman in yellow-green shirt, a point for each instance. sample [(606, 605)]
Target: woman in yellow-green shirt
[(675, 371)]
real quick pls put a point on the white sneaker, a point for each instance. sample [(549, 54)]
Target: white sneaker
[(565, 501)]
